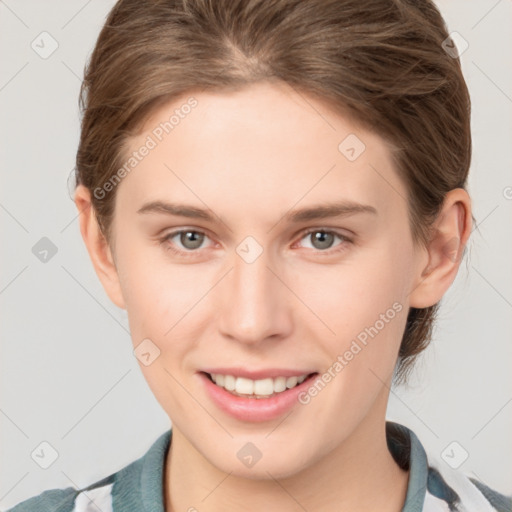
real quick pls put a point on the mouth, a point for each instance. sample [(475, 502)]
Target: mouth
[(257, 389)]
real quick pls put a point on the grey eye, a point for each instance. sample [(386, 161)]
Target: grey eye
[(321, 239), (191, 239)]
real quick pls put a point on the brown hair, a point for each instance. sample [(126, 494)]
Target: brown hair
[(380, 61)]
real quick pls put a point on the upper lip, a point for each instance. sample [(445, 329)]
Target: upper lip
[(258, 374)]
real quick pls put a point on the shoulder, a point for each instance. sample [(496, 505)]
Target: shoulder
[(130, 488), (71, 499), (461, 491), (499, 501), (53, 500), (437, 484)]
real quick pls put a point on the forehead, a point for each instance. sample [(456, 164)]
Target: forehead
[(267, 144)]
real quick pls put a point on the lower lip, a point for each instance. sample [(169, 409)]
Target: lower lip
[(254, 409)]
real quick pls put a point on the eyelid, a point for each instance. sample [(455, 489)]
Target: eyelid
[(324, 229), (171, 234), (332, 250)]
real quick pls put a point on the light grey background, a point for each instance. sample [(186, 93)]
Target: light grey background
[(67, 371)]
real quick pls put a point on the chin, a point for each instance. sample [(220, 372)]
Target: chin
[(278, 465)]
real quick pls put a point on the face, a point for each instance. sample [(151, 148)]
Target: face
[(254, 286)]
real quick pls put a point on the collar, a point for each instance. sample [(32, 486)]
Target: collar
[(409, 454)]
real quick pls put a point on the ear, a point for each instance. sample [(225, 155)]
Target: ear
[(97, 247), (445, 250)]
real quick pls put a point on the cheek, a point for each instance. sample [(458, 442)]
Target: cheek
[(364, 306), (355, 293), (157, 294), (163, 307)]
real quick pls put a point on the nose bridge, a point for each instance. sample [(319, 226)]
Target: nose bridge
[(253, 305)]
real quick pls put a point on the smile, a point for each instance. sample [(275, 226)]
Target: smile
[(261, 388)]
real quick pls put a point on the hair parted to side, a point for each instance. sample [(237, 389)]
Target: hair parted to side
[(381, 62)]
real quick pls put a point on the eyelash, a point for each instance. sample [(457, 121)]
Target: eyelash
[(192, 253)]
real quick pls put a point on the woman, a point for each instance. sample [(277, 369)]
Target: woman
[(275, 191)]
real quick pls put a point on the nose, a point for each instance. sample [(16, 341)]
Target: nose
[(255, 302)]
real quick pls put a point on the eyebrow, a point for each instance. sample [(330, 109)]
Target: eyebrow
[(316, 212)]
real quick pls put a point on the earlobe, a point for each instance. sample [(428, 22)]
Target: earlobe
[(445, 250), (97, 247)]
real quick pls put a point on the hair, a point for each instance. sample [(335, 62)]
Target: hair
[(380, 62)]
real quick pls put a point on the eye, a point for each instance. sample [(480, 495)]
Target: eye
[(323, 239), (190, 240)]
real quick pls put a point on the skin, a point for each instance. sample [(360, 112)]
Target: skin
[(250, 157)]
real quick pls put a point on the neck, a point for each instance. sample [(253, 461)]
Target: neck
[(358, 474)]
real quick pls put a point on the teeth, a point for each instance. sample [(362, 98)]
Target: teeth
[(291, 382), (229, 382), (244, 386), (262, 388)]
